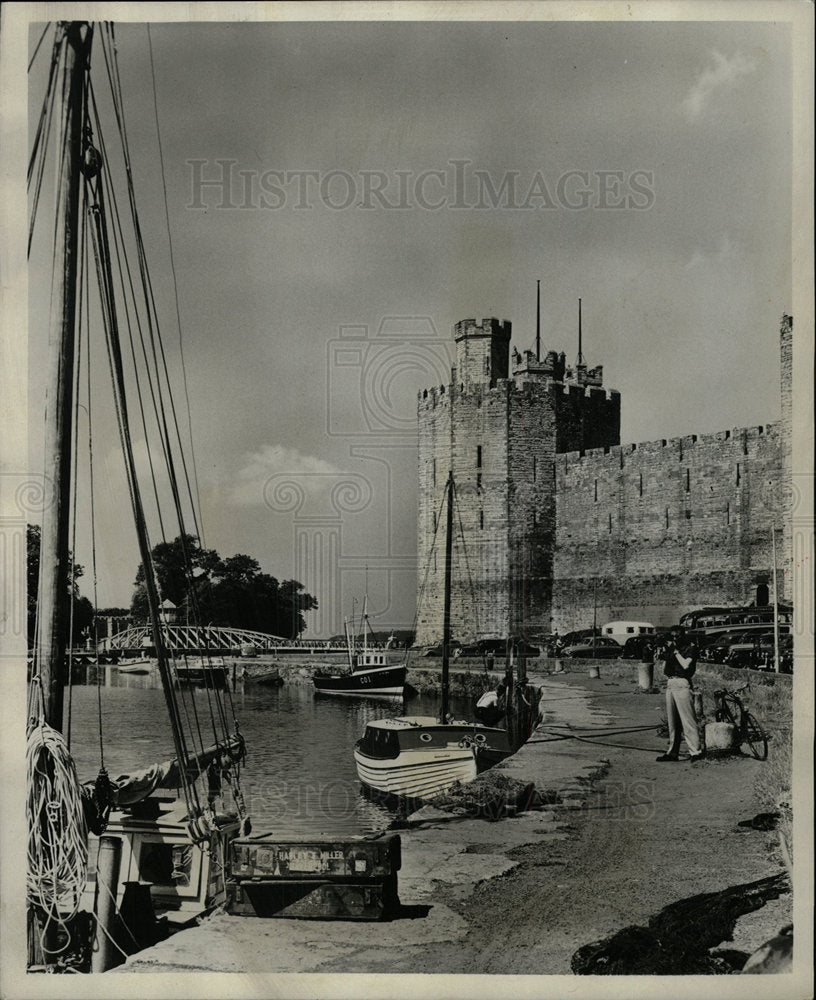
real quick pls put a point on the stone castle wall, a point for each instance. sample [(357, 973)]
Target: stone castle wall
[(660, 528), (500, 444), (554, 517)]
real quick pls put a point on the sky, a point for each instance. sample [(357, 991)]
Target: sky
[(388, 180)]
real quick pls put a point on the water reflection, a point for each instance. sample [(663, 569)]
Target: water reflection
[(299, 777)]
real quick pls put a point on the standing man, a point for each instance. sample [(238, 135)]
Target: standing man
[(681, 662)]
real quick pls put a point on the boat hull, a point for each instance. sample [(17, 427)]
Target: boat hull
[(377, 682), (418, 757), (417, 773), (212, 675)]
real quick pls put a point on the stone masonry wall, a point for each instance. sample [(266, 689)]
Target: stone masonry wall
[(656, 529), (785, 537), (474, 444), (554, 517), (586, 417), (482, 351)]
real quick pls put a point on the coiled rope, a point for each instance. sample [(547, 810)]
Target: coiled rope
[(57, 829)]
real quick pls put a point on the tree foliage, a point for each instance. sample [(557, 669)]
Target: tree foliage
[(231, 592), (82, 608)]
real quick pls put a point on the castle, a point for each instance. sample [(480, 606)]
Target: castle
[(556, 520)]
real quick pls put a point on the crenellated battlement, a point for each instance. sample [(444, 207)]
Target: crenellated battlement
[(490, 327), (681, 447)]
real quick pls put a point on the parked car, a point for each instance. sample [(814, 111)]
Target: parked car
[(633, 648), (758, 654), (474, 649), (437, 650), (599, 647), (571, 638), (492, 647), (716, 648)]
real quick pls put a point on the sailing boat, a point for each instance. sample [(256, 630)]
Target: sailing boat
[(178, 844), (421, 756), (370, 675)]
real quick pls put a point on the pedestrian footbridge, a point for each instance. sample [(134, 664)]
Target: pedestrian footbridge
[(189, 638)]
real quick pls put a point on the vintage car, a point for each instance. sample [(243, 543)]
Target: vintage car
[(595, 648)]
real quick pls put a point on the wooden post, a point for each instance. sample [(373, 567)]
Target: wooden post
[(107, 884)]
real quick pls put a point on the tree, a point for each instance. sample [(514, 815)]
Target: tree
[(292, 604), (231, 592), (83, 611), (179, 565)]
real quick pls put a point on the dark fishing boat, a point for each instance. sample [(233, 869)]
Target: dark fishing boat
[(420, 756), (202, 672), (371, 673)]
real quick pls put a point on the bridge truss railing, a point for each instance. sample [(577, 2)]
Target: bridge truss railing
[(197, 637)]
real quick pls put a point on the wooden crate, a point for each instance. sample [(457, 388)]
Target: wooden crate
[(355, 858), (373, 899)]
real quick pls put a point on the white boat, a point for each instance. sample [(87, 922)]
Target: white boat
[(420, 756), (427, 757), (135, 667)]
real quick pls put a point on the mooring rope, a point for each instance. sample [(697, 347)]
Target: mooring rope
[(57, 829)]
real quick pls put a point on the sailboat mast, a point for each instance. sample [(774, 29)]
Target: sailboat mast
[(55, 571), (446, 623)]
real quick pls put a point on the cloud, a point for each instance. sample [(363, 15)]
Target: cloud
[(277, 460), (723, 73)]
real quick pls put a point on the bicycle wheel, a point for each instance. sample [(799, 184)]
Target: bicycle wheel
[(755, 737), (730, 710)]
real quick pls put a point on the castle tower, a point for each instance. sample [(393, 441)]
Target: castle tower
[(482, 352), (499, 435)]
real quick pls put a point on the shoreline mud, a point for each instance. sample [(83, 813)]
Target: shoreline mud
[(616, 838)]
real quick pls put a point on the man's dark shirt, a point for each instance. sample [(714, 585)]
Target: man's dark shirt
[(673, 666)]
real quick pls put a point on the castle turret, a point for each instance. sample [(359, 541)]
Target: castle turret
[(482, 352)]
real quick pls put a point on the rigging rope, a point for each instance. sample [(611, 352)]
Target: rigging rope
[(57, 830), (199, 523), (37, 48), (118, 239), (147, 287), (37, 157)]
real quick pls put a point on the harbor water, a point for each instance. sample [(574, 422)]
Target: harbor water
[(299, 777)]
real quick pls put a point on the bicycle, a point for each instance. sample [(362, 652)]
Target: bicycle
[(729, 708)]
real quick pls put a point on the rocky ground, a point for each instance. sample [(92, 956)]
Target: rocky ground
[(617, 840)]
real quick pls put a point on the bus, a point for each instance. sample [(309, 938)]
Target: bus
[(711, 621)]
